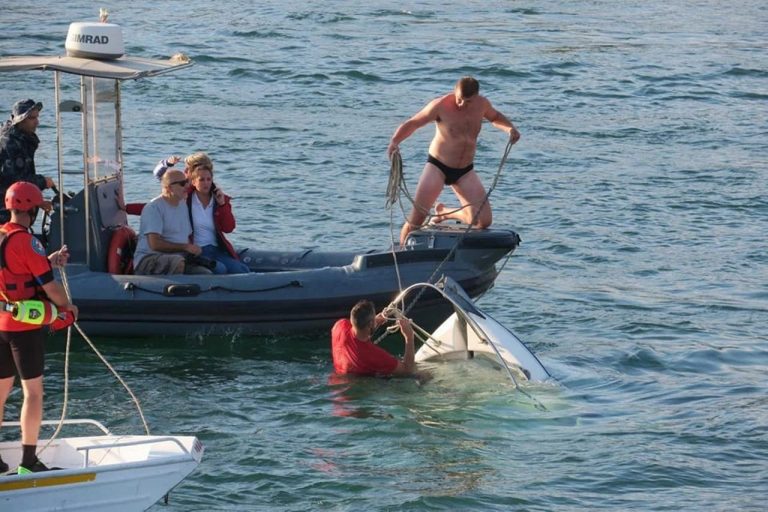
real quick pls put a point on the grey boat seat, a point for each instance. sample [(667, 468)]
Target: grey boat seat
[(117, 239)]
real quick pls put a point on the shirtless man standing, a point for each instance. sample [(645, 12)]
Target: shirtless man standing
[(458, 118)]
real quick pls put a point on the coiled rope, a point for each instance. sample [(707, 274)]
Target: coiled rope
[(396, 185)]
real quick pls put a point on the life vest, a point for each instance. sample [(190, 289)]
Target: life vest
[(16, 286)]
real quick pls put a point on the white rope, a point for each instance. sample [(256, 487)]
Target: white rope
[(117, 376), (397, 183), (63, 416), (394, 252), (65, 283), (392, 312)]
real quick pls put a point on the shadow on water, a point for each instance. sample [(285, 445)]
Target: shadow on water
[(285, 348), (207, 354)]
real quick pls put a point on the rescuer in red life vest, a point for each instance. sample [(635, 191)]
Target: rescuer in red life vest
[(26, 273)]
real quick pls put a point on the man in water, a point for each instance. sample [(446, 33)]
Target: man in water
[(354, 353), (458, 117), (18, 143)]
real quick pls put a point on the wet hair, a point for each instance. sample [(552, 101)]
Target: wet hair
[(468, 86), (362, 314), (198, 160)]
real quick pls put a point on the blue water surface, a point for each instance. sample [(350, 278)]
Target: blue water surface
[(639, 189)]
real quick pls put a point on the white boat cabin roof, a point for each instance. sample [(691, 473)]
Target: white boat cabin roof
[(124, 68)]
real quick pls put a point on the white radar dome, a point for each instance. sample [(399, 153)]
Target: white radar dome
[(94, 40)]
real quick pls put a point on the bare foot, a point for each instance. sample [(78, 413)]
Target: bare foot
[(439, 212)]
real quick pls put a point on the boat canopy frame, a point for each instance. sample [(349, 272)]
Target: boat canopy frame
[(102, 153)]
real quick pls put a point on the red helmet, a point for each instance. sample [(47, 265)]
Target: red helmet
[(23, 196)]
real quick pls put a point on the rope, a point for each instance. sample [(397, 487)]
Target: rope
[(63, 416), (65, 283), (396, 182), (397, 186), (117, 376), (394, 253), (129, 286), (391, 312), (469, 226), (396, 176)]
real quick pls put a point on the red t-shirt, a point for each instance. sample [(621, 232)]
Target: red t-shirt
[(351, 355)]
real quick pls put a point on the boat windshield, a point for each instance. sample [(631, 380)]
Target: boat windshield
[(90, 122), (101, 124)]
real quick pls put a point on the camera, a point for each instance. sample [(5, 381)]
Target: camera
[(200, 261)]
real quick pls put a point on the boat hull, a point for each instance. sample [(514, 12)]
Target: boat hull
[(100, 473), (97, 491), (469, 333), (288, 292)]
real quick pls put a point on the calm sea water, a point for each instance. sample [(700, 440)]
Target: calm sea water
[(639, 190)]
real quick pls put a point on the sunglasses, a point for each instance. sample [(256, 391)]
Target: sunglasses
[(183, 183)]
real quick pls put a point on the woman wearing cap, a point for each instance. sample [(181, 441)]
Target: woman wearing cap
[(18, 143), (211, 213)]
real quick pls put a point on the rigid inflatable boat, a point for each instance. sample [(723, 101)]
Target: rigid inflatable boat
[(284, 292)]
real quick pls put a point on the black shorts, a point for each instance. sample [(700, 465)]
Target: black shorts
[(452, 174), (23, 351)]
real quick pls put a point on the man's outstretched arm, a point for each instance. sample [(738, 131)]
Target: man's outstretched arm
[(405, 130), (407, 364), (500, 121)]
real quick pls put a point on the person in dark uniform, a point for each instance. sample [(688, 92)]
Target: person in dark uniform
[(26, 273), (18, 143)]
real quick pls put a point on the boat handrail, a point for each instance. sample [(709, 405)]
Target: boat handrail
[(81, 421), (123, 444)]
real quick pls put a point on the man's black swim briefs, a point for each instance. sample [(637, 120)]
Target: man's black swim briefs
[(452, 175)]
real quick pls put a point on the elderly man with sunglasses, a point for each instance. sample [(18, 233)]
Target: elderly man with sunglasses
[(164, 245)]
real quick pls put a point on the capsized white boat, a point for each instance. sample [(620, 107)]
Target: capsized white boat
[(102, 473), (470, 333)]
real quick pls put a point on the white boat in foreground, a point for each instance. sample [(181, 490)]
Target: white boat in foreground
[(98, 473), (470, 333)]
